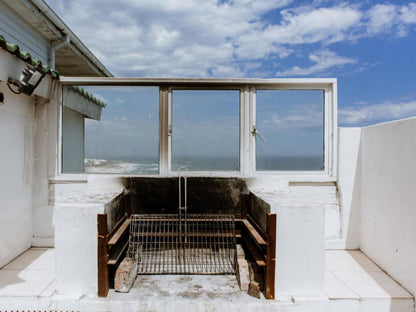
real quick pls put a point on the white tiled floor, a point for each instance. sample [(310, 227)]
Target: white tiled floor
[(353, 283), (31, 274), (351, 274)]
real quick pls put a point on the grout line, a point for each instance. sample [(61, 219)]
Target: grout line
[(343, 283), (40, 294)]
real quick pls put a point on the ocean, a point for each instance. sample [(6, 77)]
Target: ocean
[(151, 165)]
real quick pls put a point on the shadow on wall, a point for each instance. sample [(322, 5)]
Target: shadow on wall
[(205, 195), (352, 228)]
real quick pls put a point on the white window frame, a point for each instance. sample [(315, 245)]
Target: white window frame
[(329, 131), (169, 147), (248, 88)]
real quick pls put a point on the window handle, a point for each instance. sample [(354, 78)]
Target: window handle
[(255, 131)]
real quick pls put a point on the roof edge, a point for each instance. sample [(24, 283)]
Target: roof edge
[(48, 12), (26, 57)]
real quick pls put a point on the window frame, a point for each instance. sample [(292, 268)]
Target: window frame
[(169, 131), (328, 113), (247, 119)]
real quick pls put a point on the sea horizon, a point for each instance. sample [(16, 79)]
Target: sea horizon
[(150, 165)]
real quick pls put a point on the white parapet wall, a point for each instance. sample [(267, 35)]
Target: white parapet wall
[(300, 234), (388, 198), (77, 203), (300, 251), (76, 248)]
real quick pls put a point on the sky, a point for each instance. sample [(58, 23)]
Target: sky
[(368, 46)]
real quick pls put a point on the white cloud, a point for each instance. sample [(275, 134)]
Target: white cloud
[(322, 24), (323, 60), (233, 38), (408, 13), (368, 114), (384, 18), (381, 18), (166, 37)]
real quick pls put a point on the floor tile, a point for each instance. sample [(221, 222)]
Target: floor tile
[(335, 289), (372, 284), (24, 283), (34, 259), (50, 290), (363, 261), (348, 261)]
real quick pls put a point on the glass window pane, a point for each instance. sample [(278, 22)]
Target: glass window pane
[(292, 123), (120, 137), (205, 129)]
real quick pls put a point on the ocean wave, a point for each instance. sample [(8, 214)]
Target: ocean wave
[(114, 166)]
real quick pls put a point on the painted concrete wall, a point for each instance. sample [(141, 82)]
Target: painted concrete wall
[(76, 248), (45, 166), (72, 141), (300, 237), (16, 172), (348, 186), (26, 161), (300, 251), (77, 204), (388, 184)]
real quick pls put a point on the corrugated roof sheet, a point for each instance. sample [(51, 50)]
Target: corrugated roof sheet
[(25, 56), (88, 96)]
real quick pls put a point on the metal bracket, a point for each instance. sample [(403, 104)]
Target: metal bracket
[(254, 131)]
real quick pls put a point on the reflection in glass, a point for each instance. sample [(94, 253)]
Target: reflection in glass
[(205, 129), (292, 123), (120, 126)]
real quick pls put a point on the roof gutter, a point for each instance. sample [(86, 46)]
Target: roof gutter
[(51, 15), (57, 46)]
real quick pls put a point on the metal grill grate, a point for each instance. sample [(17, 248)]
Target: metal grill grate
[(190, 244)]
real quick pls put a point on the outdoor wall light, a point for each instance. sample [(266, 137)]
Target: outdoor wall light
[(29, 79)]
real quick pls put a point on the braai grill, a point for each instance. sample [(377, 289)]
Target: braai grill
[(183, 243)]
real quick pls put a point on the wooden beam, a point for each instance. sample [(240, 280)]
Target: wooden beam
[(118, 254), (254, 252), (102, 255), (269, 288), (120, 231), (257, 227), (254, 233)]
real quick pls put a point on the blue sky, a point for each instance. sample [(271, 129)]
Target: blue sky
[(368, 45)]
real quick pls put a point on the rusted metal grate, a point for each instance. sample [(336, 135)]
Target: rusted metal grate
[(183, 244)]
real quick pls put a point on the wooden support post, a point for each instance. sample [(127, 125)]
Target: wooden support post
[(102, 255), (271, 256)]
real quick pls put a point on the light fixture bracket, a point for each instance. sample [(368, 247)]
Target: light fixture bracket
[(30, 78)]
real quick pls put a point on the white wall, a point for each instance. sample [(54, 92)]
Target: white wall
[(72, 141), (45, 166), (348, 190), (76, 248), (77, 204), (300, 234), (16, 172), (300, 251), (388, 198)]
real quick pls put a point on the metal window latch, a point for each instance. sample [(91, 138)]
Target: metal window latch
[(254, 131), (169, 130)]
